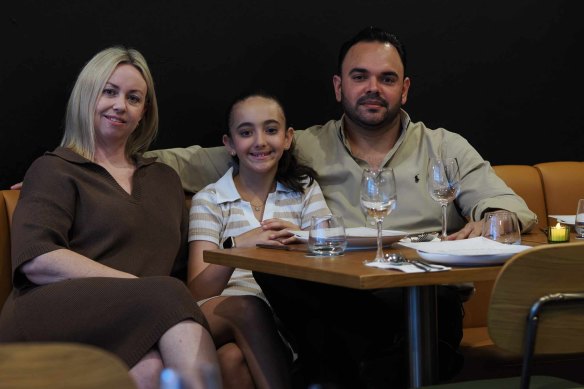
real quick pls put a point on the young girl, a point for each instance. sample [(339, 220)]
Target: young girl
[(266, 192)]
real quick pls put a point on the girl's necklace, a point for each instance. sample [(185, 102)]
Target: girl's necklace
[(257, 207)]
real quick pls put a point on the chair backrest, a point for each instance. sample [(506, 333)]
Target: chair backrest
[(528, 276), (563, 184), (8, 200), (526, 182)]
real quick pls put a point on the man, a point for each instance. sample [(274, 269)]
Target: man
[(350, 338), (375, 131)]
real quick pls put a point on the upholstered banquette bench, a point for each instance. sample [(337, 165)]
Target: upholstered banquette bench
[(548, 188)]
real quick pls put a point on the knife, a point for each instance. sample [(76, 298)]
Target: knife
[(420, 265)]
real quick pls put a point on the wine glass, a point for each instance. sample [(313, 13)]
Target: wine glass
[(579, 220), (378, 198), (443, 184)]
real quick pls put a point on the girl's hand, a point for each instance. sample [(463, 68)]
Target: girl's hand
[(280, 230), (272, 231), (259, 235), (278, 224)]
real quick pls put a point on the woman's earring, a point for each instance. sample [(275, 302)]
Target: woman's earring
[(233, 153)]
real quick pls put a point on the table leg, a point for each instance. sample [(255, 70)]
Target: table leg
[(422, 335)]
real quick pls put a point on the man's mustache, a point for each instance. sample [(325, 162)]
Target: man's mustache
[(367, 99)]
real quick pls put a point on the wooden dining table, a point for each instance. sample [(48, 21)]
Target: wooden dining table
[(349, 271)]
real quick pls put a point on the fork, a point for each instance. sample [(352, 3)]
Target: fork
[(423, 237)]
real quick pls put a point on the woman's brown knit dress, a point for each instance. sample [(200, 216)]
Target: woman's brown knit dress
[(69, 202)]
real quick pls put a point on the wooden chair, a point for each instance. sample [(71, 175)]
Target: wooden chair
[(537, 306), (61, 365)]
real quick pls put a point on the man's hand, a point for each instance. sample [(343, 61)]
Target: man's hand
[(471, 230)]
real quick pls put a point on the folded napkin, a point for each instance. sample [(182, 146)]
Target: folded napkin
[(406, 267), (472, 246), (566, 219)]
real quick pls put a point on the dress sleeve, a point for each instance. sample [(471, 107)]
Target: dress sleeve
[(44, 212)]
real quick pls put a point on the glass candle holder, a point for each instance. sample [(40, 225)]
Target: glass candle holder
[(558, 234)]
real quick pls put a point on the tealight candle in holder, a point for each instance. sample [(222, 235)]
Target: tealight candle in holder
[(558, 234)]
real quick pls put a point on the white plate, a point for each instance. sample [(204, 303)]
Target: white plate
[(566, 219), (361, 237), (466, 260)]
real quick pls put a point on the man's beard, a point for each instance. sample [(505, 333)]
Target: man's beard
[(372, 123)]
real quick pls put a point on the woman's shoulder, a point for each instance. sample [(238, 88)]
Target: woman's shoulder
[(162, 169), (46, 161), (49, 173), (162, 179), (51, 164)]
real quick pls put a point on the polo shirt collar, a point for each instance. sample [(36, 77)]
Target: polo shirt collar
[(226, 191)]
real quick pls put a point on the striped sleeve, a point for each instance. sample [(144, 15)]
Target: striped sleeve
[(314, 204), (205, 217)]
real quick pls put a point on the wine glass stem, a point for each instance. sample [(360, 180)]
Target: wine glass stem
[(379, 255), (444, 235)]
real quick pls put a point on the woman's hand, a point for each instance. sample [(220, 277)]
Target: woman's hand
[(63, 264)]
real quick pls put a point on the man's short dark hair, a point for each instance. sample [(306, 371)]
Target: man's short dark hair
[(372, 34)]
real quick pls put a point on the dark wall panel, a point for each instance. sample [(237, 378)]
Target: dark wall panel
[(502, 73)]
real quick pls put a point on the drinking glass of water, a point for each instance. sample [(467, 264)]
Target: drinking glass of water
[(579, 223), (327, 235), (502, 226)]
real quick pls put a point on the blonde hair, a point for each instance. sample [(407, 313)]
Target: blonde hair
[(79, 127)]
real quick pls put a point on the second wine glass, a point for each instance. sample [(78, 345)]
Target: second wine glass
[(378, 198), (443, 185)]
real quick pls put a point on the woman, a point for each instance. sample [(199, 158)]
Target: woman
[(266, 193), (97, 230)]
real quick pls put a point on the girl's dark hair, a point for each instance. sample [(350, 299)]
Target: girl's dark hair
[(290, 171)]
